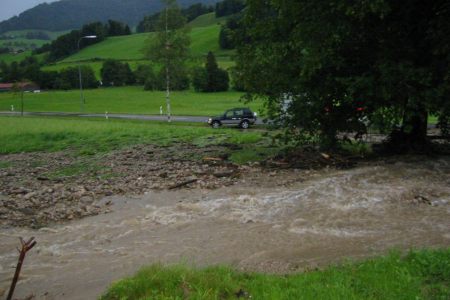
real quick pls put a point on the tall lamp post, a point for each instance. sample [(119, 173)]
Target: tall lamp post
[(79, 71)]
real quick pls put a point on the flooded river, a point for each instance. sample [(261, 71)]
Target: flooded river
[(321, 217)]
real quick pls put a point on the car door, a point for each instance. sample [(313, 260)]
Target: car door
[(238, 116), (228, 117)]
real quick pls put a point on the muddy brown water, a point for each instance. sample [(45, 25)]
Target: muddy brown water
[(330, 217)]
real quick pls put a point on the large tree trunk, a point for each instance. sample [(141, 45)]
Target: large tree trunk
[(415, 125), (412, 136)]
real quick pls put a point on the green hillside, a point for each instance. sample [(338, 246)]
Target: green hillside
[(9, 58), (127, 47), (130, 48), (18, 39), (22, 33), (207, 20), (204, 37)]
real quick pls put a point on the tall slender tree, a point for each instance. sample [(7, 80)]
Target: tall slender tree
[(170, 47)]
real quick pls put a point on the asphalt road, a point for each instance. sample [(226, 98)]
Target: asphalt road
[(189, 119), (193, 119)]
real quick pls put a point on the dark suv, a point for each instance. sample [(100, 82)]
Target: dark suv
[(243, 117)]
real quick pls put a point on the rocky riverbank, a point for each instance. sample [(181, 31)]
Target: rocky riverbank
[(41, 188)]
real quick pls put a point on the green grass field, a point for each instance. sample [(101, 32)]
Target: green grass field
[(419, 275), (133, 100), (93, 136), (29, 134)]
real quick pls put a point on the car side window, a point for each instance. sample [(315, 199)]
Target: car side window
[(229, 114), (239, 113)]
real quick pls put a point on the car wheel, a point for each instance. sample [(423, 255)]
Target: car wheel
[(245, 124), (215, 124)]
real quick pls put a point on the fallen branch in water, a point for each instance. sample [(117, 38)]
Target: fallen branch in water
[(175, 186), (26, 246)]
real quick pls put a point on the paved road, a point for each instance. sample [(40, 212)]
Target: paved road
[(191, 119), (194, 119)]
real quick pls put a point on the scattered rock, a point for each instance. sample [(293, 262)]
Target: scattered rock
[(37, 196), (419, 199)]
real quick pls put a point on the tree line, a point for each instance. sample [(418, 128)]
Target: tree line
[(116, 73)]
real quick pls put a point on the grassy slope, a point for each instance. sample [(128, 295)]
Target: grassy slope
[(118, 47), (126, 100), (420, 275), (130, 47), (9, 58), (28, 42), (204, 38), (20, 37), (207, 20), (22, 33)]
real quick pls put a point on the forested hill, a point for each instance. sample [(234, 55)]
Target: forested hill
[(71, 14)]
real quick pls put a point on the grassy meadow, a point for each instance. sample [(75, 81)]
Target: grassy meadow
[(418, 275), (93, 136), (133, 100), (30, 134)]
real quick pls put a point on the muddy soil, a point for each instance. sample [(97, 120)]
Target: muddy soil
[(276, 221)]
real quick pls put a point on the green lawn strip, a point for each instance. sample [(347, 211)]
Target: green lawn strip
[(94, 136), (418, 275), (133, 100)]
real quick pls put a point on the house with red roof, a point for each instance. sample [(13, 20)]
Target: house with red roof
[(24, 86)]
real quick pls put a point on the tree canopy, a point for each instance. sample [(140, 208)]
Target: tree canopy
[(343, 62)]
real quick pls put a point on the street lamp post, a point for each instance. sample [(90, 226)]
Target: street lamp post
[(79, 71)]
